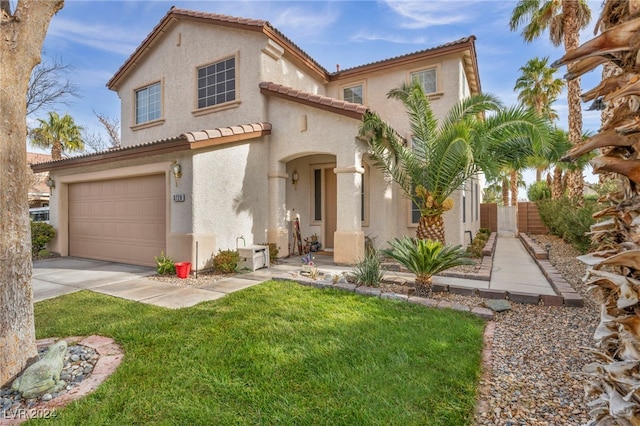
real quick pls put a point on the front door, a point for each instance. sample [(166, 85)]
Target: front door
[(331, 206)]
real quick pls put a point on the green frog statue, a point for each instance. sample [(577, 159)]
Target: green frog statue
[(44, 375)]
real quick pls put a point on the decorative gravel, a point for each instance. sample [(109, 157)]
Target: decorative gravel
[(78, 365), (537, 356)]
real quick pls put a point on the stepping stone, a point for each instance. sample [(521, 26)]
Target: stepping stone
[(497, 305)]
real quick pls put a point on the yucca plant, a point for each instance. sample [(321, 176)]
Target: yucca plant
[(426, 258), (368, 270)]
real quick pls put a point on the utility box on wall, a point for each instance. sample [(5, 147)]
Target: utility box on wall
[(253, 257)]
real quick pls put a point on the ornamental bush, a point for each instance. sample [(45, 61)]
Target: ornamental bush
[(568, 220), (226, 261), (539, 191), (41, 234)]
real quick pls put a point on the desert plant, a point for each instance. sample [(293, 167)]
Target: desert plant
[(425, 258), (477, 245), (367, 271), (568, 220), (226, 261), (41, 234), (164, 264), (539, 191)]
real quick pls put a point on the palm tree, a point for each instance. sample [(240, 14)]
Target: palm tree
[(564, 19), (443, 156), (426, 258), (59, 134), (539, 89)]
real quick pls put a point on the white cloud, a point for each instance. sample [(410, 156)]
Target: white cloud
[(363, 36), (107, 38), (423, 14), (305, 20)]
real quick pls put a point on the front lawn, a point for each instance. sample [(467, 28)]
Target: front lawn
[(277, 353)]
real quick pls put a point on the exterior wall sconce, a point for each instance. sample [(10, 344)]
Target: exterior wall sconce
[(50, 182), (295, 177), (176, 169)]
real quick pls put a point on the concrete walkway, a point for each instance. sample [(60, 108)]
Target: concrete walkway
[(513, 270)]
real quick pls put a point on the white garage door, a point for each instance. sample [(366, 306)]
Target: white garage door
[(120, 220)]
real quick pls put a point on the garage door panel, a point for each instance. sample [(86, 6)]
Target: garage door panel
[(120, 220)]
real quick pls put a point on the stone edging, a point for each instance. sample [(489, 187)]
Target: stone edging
[(484, 313), (110, 358), (484, 273), (567, 294)]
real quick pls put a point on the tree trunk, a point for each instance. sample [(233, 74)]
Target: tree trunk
[(431, 228), (505, 192), (572, 41), (424, 287), (21, 36), (514, 187), (56, 151), (557, 189)]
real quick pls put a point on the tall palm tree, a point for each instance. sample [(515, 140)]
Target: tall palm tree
[(58, 133), (563, 19), (443, 156), (538, 87)]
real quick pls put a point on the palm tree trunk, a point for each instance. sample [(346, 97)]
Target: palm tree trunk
[(424, 287), (505, 192), (56, 151), (557, 188), (514, 187), (431, 228), (572, 41)]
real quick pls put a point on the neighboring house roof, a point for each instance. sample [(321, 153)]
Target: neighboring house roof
[(34, 158), (223, 20), (311, 99), (464, 45), (186, 141)]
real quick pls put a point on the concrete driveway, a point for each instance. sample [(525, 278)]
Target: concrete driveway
[(58, 276)]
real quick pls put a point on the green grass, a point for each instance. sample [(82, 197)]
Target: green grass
[(277, 353)]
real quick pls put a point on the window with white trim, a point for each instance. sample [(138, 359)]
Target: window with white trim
[(353, 94), (427, 78), (217, 83), (149, 103)]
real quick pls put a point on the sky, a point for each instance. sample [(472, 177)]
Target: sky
[(96, 38)]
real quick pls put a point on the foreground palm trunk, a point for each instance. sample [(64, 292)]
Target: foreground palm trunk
[(21, 36), (612, 384), (431, 228)]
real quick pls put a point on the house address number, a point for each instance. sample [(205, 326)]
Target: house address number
[(179, 198)]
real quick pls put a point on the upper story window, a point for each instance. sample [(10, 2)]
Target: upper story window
[(217, 83), (353, 94), (149, 103), (427, 78)]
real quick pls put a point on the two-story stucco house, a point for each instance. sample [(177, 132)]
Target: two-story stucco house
[(261, 134)]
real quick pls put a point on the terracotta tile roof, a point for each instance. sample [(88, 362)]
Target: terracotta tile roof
[(319, 101), (35, 158), (223, 20), (184, 142)]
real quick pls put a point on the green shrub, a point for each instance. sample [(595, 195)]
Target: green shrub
[(486, 231), (164, 265), (273, 251), (539, 191), (368, 270), (568, 220), (226, 261), (41, 234), (477, 245)]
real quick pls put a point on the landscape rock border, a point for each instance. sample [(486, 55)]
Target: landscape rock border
[(111, 356)]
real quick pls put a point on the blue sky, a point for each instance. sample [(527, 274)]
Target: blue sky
[(96, 37)]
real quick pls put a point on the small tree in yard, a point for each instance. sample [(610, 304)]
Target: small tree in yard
[(426, 258), (22, 33)]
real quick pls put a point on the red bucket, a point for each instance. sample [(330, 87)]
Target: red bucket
[(183, 269)]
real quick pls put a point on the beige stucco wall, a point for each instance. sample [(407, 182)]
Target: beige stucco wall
[(178, 53)]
